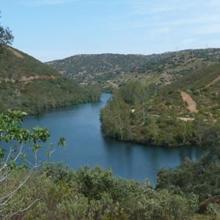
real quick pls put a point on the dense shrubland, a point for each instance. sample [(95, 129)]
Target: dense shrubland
[(112, 70), (156, 115), (94, 194), (201, 178)]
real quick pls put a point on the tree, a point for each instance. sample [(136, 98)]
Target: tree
[(14, 139), (6, 36)]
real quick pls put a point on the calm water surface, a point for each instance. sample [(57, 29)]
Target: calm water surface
[(86, 146)]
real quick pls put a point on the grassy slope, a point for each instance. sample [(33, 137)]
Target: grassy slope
[(28, 84), (16, 64)]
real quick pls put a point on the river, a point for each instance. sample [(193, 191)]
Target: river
[(86, 146)]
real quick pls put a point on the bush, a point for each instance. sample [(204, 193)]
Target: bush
[(60, 193)]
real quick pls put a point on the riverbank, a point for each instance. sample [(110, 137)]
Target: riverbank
[(86, 146), (167, 116), (183, 187), (43, 96)]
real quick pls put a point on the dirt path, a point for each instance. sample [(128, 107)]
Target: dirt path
[(191, 104), (28, 79), (213, 82), (32, 78)]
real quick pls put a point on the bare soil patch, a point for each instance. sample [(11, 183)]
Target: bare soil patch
[(191, 104)]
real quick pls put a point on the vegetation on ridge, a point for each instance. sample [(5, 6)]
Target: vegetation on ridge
[(114, 70), (161, 116)]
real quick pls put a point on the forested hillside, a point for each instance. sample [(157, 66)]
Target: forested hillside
[(113, 70), (185, 112), (28, 84)]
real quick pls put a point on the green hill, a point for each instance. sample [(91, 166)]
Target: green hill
[(166, 99), (113, 70), (185, 112), (28, 84)]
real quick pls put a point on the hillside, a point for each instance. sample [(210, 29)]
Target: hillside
[(185, 112), (113, 70), (28, 84)]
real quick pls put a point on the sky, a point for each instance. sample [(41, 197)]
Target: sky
[(54, 29)]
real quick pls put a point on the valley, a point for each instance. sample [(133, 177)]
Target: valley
[(162, 126), (131, 134), (168, 99)]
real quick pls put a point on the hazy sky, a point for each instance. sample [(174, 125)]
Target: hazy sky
[(51, 29)]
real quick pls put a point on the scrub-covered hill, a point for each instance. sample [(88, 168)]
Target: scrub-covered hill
[(113, 70), (28, 84), (186, 112)]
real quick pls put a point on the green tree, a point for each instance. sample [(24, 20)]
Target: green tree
[(14, 139), (6, 36)]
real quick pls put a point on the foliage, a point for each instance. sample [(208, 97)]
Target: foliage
[(65, 194), (6, 36), (113, 70), (11, 129), (15, 144), (56, 192), (201, 178), (151, 114)]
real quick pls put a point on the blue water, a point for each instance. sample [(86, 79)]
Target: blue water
[(86, 146)]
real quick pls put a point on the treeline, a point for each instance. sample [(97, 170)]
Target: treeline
[(150, 114), (44, 95), (201, 178)]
